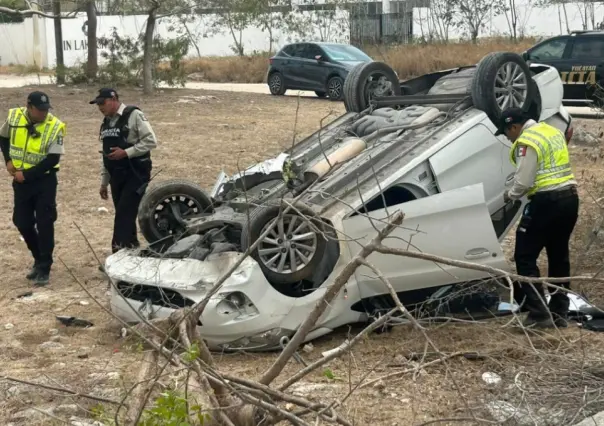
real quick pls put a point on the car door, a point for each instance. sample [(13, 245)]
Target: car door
[(554, 52), (473, 157), (309, 70), (585, 58), (293, 74), (454, 224)]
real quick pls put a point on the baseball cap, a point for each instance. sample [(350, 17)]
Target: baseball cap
[(510, 116), (104, 93), (40, 100)]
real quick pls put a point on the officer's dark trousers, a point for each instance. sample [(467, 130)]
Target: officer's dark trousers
[(547, 222), (127, 194), (34, 215)]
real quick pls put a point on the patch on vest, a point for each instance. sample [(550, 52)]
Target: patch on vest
[(142, 116), (521, 151), (112, 132), (59, 140)]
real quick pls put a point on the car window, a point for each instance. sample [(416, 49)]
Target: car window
[(311, 51), (288, 50), (295, 50), (343, 52), (588, 48), (553, 49)]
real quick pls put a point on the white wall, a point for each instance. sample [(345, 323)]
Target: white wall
[(23, 43), (75, 39)]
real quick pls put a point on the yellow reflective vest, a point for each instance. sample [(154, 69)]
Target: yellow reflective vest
[(28, 150), (552, 152)]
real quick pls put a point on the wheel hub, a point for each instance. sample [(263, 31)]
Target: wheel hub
[(179, 205), (511, 86), (289, 245)]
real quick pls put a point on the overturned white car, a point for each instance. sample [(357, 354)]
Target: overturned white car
[(425, 146)]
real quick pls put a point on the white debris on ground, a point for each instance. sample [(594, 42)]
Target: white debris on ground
[(103, 210), (491, 379), (191, 99)]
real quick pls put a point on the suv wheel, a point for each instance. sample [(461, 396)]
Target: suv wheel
[(276, 84)]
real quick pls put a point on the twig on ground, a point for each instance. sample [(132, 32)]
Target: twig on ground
[(59, 389)]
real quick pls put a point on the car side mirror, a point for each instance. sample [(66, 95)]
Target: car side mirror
[(526, 56)]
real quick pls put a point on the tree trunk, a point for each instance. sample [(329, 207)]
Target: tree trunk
[(56, 9), (148, 54), (92, 64)]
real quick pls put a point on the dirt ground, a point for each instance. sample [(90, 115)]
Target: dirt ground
[(197, 139)]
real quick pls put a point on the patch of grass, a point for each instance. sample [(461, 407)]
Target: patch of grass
[(407, 60)]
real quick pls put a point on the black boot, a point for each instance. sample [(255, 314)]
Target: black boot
[(532, 321), (33, 273), (42, 278)]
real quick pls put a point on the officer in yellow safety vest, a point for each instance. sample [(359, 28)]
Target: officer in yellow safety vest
[(32, 143), (543, 173)]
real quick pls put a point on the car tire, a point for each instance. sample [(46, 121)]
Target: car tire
[(187, 196), (321, 94), (335, 88), (357, 89), (264, 216), (276, 84), (488, 78)]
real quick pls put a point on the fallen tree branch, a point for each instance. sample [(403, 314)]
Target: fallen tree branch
[(478, 267), (337, 352), (60, 389)]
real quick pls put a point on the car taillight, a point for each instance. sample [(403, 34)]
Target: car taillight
[(569, 133)]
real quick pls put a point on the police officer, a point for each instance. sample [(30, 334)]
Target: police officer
[(127, 139), (544, 175), (32, 144)]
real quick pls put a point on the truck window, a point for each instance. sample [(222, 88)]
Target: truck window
[(588, 48), (549, 50)]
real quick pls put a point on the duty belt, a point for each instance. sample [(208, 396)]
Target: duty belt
[(556, 194)]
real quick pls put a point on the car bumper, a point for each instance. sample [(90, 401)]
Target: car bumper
[(246, 313)]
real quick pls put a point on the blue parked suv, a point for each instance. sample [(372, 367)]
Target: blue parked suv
[(319, 67)]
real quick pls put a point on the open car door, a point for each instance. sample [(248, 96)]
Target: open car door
[(454, 224)]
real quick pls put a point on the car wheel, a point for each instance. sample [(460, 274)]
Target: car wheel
[(368, 80), (293, 249), (166, 204), (502, 80), (321, 94), (276, 84), (335, 88)]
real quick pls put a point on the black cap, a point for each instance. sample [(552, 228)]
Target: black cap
[(510, 116), (104, 93), (40, 100)]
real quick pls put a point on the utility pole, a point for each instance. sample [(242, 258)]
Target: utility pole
[(56, 10)]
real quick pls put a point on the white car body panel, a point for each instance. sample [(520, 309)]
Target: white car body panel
[(480, 154), (454, 224)]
